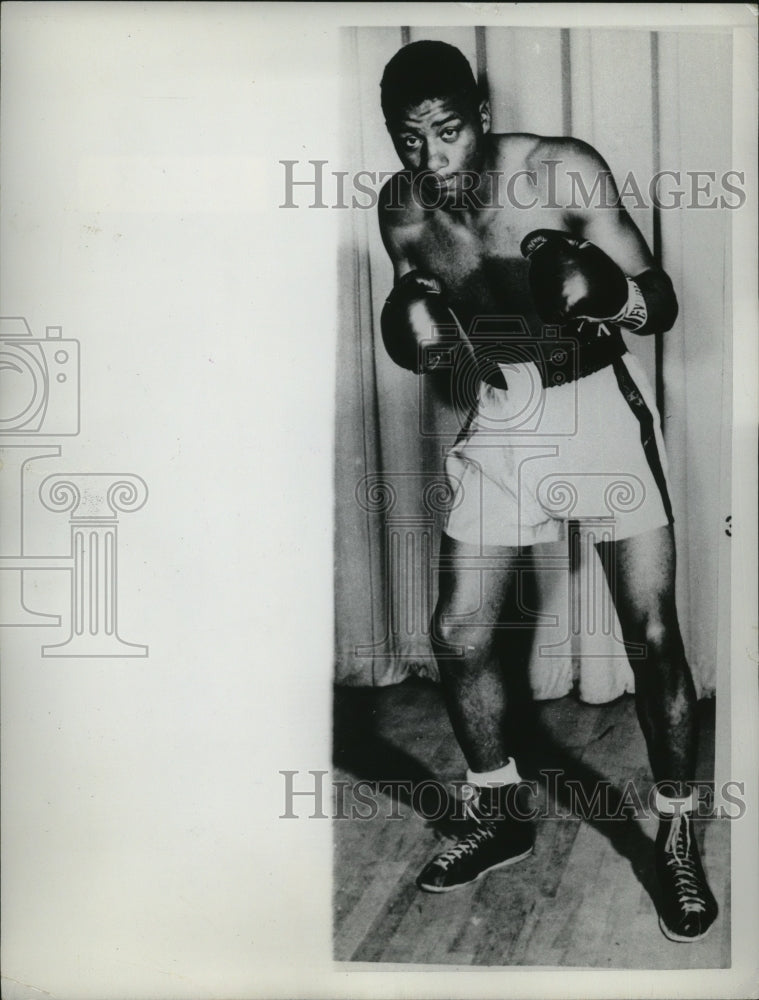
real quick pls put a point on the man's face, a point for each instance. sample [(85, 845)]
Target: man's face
[(443, 135)]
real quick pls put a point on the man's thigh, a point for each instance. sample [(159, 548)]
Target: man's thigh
[(641, 575), (484, 586)]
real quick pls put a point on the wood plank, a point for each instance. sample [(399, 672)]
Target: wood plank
[(357, 922), (578, 901)]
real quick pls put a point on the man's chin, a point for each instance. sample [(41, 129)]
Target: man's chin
[(435, 190)]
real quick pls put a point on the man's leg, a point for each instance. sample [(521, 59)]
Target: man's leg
[(477, 604), (641, 576), (477, 626)]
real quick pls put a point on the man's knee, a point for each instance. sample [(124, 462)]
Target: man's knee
[(657, 634), (452, 639), (661, 640)]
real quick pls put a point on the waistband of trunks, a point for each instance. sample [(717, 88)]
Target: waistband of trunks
[(578, 357), (562, 355)]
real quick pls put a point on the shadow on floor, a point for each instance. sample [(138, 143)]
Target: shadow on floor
[(366, 745)]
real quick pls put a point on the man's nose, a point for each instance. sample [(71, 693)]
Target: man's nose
[(436, 158)]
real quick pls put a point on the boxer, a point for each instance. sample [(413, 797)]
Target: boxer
[(484, 225)]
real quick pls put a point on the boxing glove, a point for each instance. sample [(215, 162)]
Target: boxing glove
[(418, 328), (572, 279)]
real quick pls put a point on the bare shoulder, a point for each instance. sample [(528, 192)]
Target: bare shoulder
[(568, 159), (543, 155), (401, 217), (562, 154), (396, 205), (513, 150)]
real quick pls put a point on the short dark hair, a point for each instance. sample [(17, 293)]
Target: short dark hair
[(423, 70)]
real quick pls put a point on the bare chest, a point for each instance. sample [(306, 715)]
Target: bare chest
[(478, 259)]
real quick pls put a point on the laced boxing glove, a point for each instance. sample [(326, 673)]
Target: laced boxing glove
[(418, 328), (572, 279)]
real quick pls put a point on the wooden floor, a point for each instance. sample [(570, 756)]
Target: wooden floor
[(586, 897)]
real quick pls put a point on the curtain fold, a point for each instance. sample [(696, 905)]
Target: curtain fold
[(392, 433)]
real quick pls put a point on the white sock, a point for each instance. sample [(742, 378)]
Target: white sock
[(506, 775), (667, 805)]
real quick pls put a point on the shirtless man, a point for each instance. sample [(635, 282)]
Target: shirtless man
[(482, 225)]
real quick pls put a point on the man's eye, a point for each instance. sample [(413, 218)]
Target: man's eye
[(449, 133), (410, 142)]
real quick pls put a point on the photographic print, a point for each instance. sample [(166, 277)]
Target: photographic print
[(378, 495), (533, 497)]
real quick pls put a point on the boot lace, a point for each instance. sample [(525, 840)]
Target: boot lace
[(680, 860), (467, 846)]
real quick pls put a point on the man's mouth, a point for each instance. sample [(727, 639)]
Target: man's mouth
[(438, 180), (436, 188)]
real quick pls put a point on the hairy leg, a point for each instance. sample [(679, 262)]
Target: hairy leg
[(481, 628), (641, 576)]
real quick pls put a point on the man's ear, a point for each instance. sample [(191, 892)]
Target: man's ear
[(485, 119)]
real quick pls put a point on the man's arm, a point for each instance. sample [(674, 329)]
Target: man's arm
[(613, 231), (396, 228), (418, 327)]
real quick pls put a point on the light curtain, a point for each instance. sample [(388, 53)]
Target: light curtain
[(648, 101)]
